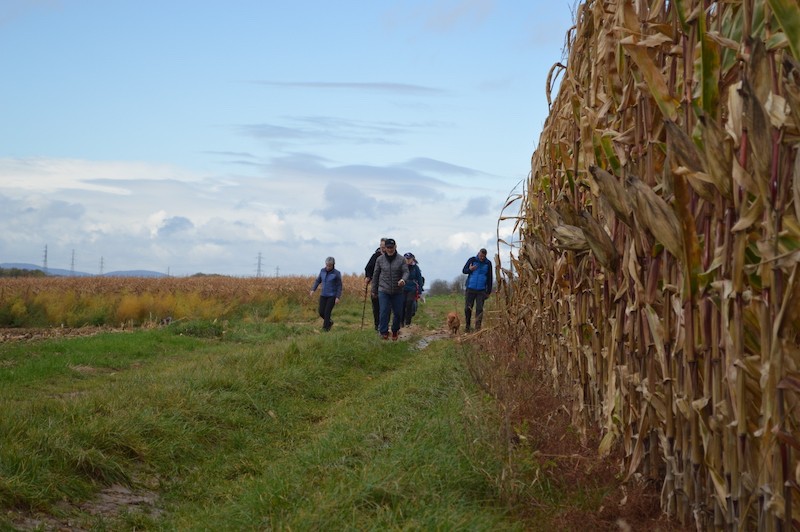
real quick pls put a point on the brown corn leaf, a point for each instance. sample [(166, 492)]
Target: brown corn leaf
[(656, 215), (687, 156), (753, 213), (718, 150), (567, 212), (759, 136), (570, 237), (796, 184), (599, 241), (614, 193), (734, 125), (683, 148), (759, 76), (791, 86), (790, 383)]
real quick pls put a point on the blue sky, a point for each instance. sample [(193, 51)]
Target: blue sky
[(195, 136)]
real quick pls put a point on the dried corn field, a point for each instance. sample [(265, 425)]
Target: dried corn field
[(80, 301), (656, 274)]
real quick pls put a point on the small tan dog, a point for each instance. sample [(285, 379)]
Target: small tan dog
[(453, 323)]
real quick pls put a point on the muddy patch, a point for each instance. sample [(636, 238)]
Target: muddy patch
[(425, 341), (116, 499), (109, 504), (91, 370)]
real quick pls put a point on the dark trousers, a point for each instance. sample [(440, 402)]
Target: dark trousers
[(326, 304), (474, 298), (376, 312), (408, 307), (390, 304)]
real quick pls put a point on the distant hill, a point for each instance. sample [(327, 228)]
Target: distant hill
[(68, 273), (134, 273)]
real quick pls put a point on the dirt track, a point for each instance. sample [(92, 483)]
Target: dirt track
[(29, 334)]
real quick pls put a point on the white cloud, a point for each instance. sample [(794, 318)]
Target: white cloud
[(23, 176), (155, 221)]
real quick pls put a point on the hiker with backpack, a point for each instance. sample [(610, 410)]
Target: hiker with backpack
[(412, 289)]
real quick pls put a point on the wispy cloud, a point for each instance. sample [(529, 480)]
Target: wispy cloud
[(425, 164), (331, 129), (480, 206), (446, 16), (396, 88)]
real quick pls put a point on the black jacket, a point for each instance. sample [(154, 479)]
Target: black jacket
[(369, 270)]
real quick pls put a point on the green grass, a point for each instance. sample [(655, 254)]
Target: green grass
[(252, 425)]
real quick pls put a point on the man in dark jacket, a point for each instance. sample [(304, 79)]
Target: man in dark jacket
[(478, 287), (369, 271), (390, 277)]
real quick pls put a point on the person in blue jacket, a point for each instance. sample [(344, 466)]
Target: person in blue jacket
[(477, 288), (412, 289), (331, 280)]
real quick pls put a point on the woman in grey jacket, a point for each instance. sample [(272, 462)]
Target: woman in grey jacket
[(388, 280)]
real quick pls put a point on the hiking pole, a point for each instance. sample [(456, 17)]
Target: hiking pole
[(364, 310)]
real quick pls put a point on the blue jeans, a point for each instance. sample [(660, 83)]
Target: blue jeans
[(390, 304)]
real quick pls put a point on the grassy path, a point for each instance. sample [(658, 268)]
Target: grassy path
[(269, 427)]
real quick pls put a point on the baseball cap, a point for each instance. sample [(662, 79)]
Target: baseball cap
[(408, 255), (390, 243)]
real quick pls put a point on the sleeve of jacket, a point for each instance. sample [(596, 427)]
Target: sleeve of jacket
[(339, 282), (376, 278), (465, 269), (317, 281), (489, 280), (369, 269)]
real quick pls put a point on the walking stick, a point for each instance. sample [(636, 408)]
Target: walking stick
[(364, 310)]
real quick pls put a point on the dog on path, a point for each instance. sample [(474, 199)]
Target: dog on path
[(453, 323)]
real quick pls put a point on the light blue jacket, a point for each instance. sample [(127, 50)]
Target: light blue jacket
[(331, 282)]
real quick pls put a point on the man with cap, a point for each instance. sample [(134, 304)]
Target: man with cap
[(389, 278)]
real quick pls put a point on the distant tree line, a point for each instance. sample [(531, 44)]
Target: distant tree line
[(18, 272), (440, 287)]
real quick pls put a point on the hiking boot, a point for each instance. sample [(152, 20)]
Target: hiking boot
[(385, 336), (469, 329), (394, 336)]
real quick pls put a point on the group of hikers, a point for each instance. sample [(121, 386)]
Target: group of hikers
[(396, 284)]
